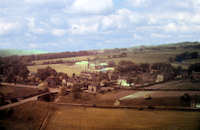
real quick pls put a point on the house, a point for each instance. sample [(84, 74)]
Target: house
[(93, 88), (53, 82), (70, 83), (86, 75), (195, 76), (106, 89), (43, 86), (117, 103), (159, 78), (123, 83), (64, 82)]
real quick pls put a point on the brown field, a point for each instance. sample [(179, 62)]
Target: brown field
[(29, 116), (100, 99), (14, 92), (73, 118), (180, 84), (32, 115), (159, 98)]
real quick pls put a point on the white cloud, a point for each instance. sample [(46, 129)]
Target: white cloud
[(7, 27), (138, 3), (83, 29), (56, 20), (41, 1), (157, 35), (33, 45), (58, 32), (91, 6), (171, 27), (137, 37), (122, 18), (32, 26)]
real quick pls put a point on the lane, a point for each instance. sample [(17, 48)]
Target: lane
[(19, 85), (34, 98)]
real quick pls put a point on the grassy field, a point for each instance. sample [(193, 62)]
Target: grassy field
[(79, 58), (136, 56), (158, 98), (31, 116), (72, 118), (13, 92), (99, 99), (59, 68), (70, 69), (180, 84), (28, 116)]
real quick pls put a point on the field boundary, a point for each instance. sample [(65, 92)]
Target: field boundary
[(133, 107), (182, 90)]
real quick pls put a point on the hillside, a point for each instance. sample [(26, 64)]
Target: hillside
[(10, 52)]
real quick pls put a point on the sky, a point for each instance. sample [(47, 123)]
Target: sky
[(73, 25)]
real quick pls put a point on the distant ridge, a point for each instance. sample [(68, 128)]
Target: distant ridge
[(10, 52)]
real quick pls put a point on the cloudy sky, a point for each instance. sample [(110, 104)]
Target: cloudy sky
[(71, 25)]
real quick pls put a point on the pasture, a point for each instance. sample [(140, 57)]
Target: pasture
[(72, 118), (69, 69), (146, 56), (32, 115), (15, 92), (179, 84), (29, 116)]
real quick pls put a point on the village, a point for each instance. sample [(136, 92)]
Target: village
[(105, 82), (104, 77)]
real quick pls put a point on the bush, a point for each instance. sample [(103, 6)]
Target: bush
[(76, 90), (45, 73)]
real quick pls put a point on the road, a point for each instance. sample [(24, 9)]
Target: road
[(51, 90), (19, 85), (34, 98)]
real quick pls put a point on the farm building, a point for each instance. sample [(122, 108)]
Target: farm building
[(106, 89), (123, 82), (160, 78), (86, 75), (53, 82), (93, 88), (196, 76), (117, 103), (43, 86), (64, 82)]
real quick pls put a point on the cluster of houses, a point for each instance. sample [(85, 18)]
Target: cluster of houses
[(107, 80), (93, 82)]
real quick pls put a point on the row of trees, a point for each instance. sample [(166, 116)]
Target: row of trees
[(29, 58), (129, 69), (13, 70), (184, 56), (126, 67)]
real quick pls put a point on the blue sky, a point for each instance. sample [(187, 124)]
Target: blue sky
[(72, 25)]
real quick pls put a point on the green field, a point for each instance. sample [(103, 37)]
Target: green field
[(147, 55), (70, 69), (79, 58), (59, 68)]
